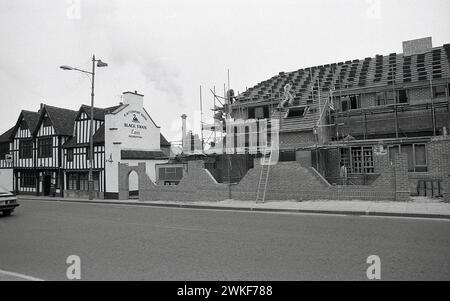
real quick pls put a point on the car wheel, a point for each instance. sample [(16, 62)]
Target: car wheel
[(7, 212)]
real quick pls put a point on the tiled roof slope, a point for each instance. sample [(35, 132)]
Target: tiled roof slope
[(293, 124), (163, 141), (7, 136), (62, 119), (369, 72), (99, 113), (31, 118)]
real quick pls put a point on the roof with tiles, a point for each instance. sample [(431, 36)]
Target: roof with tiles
[(62, 119), (31, 118), (7, 136), (356, 74), (163, 141), (99, 113)]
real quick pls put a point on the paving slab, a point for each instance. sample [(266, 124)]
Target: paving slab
[(420, 208)]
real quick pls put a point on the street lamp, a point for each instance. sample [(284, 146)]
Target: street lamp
[(91, 127)]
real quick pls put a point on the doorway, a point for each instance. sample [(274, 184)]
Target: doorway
[(133, 185), (46, 185)]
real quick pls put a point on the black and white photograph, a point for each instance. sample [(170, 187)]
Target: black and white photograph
[(224, 147)]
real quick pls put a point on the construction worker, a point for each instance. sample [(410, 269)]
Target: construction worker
[(288, 98), (343, 173)]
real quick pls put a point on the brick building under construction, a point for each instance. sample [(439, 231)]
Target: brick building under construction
[(385, 117)]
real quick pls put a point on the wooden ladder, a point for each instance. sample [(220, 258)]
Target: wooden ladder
[(263, 179)]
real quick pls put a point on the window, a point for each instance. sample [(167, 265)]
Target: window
[(402, 96), (258, 112), (47, 121), (287, 156), (170, 173), (80, 181), (251, 113), (247, 137), (358, 159), (439, 91), (27, 179), (392, 151), (420, 158), (380, 99), (345, 156), (355, 102), (88, 151), (416, 154), (4, 150), (26, 149), (345, 106), (72, 181), (45, 147), (296, 112), (390, 97), (83, 181), (70, 155)]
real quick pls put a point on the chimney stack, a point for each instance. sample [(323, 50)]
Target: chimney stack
[(183, 130), (133, 98)]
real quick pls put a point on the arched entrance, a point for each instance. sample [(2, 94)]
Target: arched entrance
[(132, 179), (133, 185)]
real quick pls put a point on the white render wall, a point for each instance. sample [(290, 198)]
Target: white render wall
[(6, 179), (124, 133)]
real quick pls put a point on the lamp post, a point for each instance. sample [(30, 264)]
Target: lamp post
[(99, 64)]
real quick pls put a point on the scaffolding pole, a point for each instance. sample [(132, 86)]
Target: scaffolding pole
[(433, 113), (201, 119)]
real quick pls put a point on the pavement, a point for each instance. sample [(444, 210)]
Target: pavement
[(419, 207), (121, 242)]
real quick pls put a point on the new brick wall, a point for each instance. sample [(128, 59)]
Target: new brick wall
[(294, 140), (197, 185), (446, 178), (287, 181), (402, 192), (437, 151), (419, 95)]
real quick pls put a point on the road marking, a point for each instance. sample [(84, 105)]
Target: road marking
[(22, 276)]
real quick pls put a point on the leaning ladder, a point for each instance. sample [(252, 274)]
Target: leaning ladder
[(263, 179)]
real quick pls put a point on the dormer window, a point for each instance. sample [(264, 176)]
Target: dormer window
[(258, 112), (296, 112), (351, 102)]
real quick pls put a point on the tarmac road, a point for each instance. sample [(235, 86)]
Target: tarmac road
[(117, 242)]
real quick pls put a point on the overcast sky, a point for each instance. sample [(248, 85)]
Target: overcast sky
[(167, 49)]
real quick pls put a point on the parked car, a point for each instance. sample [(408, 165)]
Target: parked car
[(8, 201)]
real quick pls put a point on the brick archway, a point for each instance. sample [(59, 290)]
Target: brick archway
[(124, 177)]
